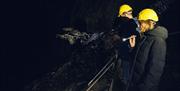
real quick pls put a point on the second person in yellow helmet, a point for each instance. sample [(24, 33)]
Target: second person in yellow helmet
[(126, 26)]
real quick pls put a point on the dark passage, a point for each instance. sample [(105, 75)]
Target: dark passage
[(34, 51)]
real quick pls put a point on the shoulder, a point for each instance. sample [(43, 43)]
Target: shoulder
[(158, 32), (160, 28)]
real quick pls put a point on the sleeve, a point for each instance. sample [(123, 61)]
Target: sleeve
[(155, 65)]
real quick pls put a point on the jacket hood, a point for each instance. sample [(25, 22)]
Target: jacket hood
[(159, 31)]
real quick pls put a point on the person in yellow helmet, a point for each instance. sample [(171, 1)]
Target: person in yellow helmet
[(150, 53), (126, 26)]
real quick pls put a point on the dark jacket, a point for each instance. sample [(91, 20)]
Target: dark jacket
[(149, 60), (125, 28)]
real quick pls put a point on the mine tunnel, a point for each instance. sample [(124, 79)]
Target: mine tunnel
[(41, 54)]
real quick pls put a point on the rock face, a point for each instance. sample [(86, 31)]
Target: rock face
[(94, 15), (84, 63)]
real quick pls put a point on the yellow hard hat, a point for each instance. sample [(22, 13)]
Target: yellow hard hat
[(124, 8), (148, 14)]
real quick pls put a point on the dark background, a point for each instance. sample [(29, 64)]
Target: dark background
[(30, 49)]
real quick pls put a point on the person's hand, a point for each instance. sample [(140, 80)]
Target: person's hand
[(132, 41)]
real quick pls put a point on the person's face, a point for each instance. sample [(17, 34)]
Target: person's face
[(143, 26), (128, 14), (146, 25)]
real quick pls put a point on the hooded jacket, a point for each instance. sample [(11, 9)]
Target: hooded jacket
[(150, 54)]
